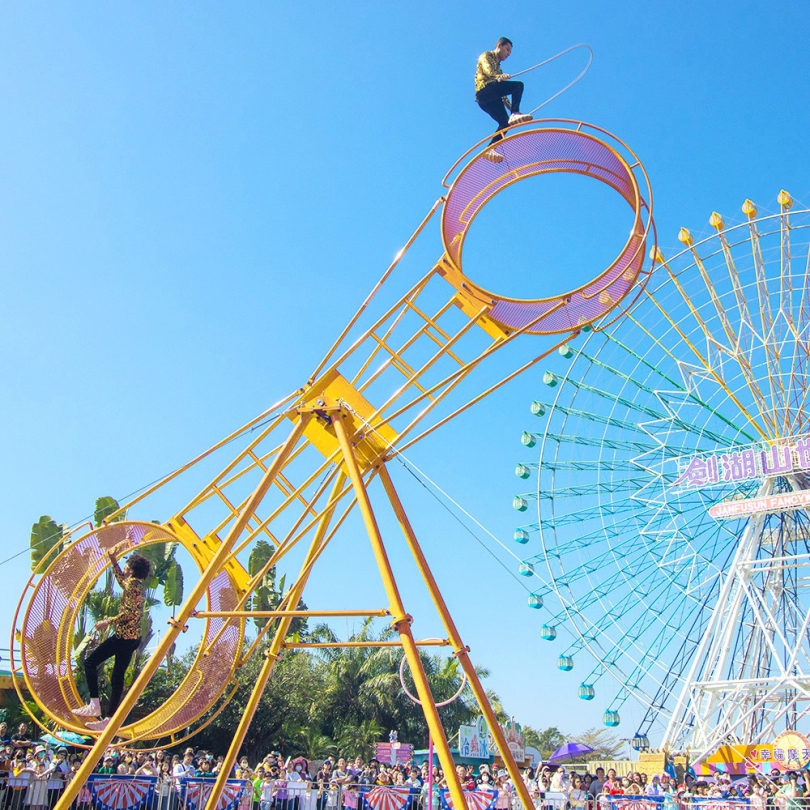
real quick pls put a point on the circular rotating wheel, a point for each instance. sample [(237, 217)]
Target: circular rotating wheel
[(42, 646), (550, 147)]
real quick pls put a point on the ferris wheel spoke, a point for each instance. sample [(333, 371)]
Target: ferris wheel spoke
[(578, 542), (727, 344), (575, 491), (663, 414), (724, 419), (618, 399), (764, 301), (676, 671), (638, 633), (707, 370), (799, 369), (609, 422), (598, 441)]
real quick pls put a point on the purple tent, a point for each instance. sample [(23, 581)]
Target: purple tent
[(569, 751)]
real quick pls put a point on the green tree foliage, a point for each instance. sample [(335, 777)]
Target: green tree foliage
[(15, 712), (45, 536), (106, 506), (313, 744), (605, 744), (288, 706), (269, 594), (166, 573), (546, 741), (326, 701), (262, 598), (173, 586), (359, 739)]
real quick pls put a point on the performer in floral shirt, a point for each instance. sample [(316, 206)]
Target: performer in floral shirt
[(121, 645), (492, 86)]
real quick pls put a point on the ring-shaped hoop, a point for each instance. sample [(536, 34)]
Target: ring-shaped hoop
[(545, 147), (46, 633), (416, 699)]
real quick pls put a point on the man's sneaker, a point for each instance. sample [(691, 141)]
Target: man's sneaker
[(519, 118), (98, 725), (92, 709), (492, 155)]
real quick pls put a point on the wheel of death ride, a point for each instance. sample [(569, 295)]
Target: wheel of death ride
[(46, 635), (292, 475), (556, 147)]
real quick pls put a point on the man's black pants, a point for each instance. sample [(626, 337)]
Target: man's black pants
[(490, 99), (123, 650)]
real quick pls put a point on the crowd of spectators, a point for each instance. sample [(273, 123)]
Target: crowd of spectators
[(36, 775)]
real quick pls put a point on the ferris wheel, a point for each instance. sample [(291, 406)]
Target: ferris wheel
[(672, 537)]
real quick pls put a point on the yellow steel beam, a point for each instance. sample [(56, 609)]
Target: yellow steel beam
[(274, 614), (461, 651), (322, 365), (271, 656), (401, 620), (335, 498), (426, 642)]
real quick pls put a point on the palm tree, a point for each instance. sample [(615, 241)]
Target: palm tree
[(359, 739), (312, 743), (362, 685), (269, 594)]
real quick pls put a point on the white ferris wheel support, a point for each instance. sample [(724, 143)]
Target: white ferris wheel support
[(720, 701)]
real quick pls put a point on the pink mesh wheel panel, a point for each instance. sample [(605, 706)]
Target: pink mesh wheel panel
[(537, 151), (46, 636)]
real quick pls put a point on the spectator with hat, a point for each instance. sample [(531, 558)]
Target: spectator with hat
[(484, 780), (504, 786), (654, 788), (36, 795), (789, 796)]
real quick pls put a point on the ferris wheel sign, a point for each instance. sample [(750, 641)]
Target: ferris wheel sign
[(736, 466), (783, 502), (791, 750)]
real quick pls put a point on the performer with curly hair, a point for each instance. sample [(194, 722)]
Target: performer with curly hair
[(122, 644)]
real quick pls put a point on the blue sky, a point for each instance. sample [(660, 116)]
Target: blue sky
[(195, 197)]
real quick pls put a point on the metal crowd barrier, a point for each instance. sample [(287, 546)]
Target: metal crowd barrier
[(122, 792), (606, 801)]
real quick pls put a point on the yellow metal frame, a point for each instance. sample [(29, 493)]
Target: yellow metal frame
[(377, 391)]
